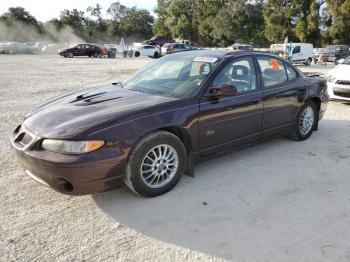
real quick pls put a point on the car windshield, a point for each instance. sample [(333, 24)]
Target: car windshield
[(173, 76)]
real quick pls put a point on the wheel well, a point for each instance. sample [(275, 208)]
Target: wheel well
[(182, 135), (317, 101)]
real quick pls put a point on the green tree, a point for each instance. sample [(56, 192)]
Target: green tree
[(161, 10), (19, 14), (179, 19), (278, 17), (338, 22), (204, 15)]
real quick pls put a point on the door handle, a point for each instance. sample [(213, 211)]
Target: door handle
[(255, 102)]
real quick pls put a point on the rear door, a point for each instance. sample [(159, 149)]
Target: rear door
[(283, 88), (230, 121)]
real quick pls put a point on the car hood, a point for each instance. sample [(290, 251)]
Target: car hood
[(67, 116), (341, 72)]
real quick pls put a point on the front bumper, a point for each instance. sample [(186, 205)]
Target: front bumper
[(68, 174), (338, 92)]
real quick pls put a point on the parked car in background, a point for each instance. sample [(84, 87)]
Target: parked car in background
[(89, 50), (147, 50), (241, 47), (149, 129), (333, 53), (301, 53), (19, 48), (183, 41), (338, 80), (107, 50), (159, 41), (170, 48)]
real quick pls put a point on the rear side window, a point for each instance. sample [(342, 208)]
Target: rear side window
[(292, 74), (272, 70)]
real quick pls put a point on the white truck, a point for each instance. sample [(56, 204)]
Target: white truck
[(301, 53), (296, 53)]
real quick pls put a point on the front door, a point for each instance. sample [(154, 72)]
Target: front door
[(229, 121)]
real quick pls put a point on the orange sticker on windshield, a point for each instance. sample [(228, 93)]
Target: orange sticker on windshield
[(274, 63)]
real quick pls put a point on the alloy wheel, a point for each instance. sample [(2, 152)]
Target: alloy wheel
[(306, 122), (159, 166)]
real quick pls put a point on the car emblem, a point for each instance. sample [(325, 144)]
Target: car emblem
[(209, 132)]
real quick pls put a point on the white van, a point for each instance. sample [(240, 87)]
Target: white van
[(300, 53)]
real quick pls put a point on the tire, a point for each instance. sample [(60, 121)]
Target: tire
[(336, 61), (95, 54), (153, 183), (308, 61), (137, 54), (70, 55), (156, 55), (300, 134)]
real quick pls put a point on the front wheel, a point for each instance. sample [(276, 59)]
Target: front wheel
[(70, 55), (306, 122), (156, 164)]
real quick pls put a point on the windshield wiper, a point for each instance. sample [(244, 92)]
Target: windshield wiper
[(118, 83)]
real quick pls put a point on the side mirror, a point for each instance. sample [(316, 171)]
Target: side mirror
[(340, 61), (223, 90)]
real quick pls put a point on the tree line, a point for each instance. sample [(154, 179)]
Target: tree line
[(259, 22), (204, 22)]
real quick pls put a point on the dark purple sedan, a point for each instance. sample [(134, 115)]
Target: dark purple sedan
[(150, 129)]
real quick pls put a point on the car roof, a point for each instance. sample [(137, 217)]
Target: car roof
[(223, 53)]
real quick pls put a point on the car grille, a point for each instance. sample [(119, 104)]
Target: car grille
[(343, 82)]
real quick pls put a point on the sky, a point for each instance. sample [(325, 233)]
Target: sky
[(44, 10)]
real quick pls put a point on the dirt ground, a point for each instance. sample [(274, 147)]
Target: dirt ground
[(277, 201)]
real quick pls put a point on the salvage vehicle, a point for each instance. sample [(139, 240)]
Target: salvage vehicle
[(147, 50), (159, 41), (150, 129), (20, 48), (81, 50), (339, 81), (174, 47), (332, 53)]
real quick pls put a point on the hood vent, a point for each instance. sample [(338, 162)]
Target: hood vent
[(93, 99)]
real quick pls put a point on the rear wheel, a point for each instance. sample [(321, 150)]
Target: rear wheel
[(306, 122), (156, 164), (95, 54), (156, 55)]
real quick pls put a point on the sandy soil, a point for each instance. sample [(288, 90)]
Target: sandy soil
[(277, 201)]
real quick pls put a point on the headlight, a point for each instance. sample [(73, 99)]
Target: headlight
[(71, 147), (330, 78)]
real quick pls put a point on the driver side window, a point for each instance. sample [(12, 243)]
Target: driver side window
[(239, 73)]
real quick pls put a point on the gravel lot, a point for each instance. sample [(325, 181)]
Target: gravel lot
[(277, 201)]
